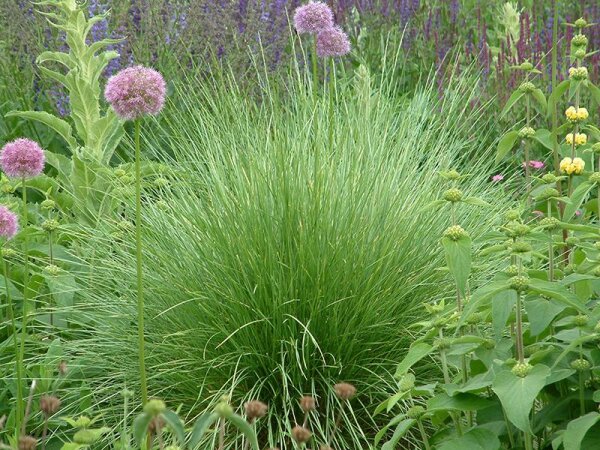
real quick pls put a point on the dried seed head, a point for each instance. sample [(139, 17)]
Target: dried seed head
[(301, 435), (27, 443), (345, 391), (255, 409), (2, 422), (308, 403), (49, 404), (62, 368)]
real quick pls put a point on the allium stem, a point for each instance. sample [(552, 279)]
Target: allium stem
[(331, 82), (11, 312), (138, 260), (315, 69)]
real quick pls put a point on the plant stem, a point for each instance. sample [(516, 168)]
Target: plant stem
[(528, 441), (222, 435), (331, 82), (315, 70), (11, 312), (519, 320), (423, 435), (138, 258)]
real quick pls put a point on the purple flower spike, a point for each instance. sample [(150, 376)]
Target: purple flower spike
[(332, 42), (313, 18), (22, 158), (136, 91), (9, 224)]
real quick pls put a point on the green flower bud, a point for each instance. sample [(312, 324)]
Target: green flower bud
[(82, 422), (512, 215), (52, 270), (489, 344), (550, 223), (224, 409), (520, 283), (521, 247), (50, 225), (415, 412), (580, 54), (572, 240), (8, 253), (161, 183), (155, 407), (548, 193), (407, 382), (527, 87), (526, 133), (512, 270), (580, 23), (510, 362), (579, 40), (596, 148), (521, 369), (85, 437), (455, 232), (580, 364), (451, 175), (595, 178), (48, 204), (526, 66), (578, 73), (120, 172), (453, 195), (442, 343), (581, 320), (475, 319), (549, 178)]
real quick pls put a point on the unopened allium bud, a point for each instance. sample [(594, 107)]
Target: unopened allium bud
[(521, 247), (255, 409), (550, 223), (521, 369), (580, 364), (48, 204), (50, 225), (549, 178), (344, 391), (595, 178), (407, 382), (520, 283), (526, 133), (581, 320), (527, 87), (455, 233), (52, 270), (301, 434), (579, 40), (308, 403), (415, 412), (27, 443), (154, 407), (49, 404), (453, 195), (512, 270), (581, 23)]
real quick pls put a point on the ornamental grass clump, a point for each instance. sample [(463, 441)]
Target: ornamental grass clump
[(133, 93)]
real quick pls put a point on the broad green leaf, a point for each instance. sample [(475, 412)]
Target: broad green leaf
[(140, 427), (556, 94), (204, 422), (176, 425), (507, 142), (541, 312), (246, 430), (58, 125), (574, 87), (475, 439), (458, 402), (518, 394), (556, 291), (474, 383), (60, 57), (395, 421), (595, 91), (401, 430), (544, 137), (502, 305), (481, 296), (576, 430), (540, 98), (577, 199), (458, 258), (512, 100), (475, 201), (416, 353)]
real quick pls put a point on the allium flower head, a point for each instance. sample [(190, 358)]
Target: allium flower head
[(22, 158), (136, 91), (9, 224), (332, 42), (313, 18)]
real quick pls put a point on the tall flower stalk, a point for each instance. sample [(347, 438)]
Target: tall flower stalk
[(134, 93)]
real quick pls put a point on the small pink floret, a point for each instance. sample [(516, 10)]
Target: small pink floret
[(497, 178)]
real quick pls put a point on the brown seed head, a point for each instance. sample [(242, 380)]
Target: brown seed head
[(2, 422), (308, 403), (255, 409), (301, 435), (345, 391), (62, 368), (27, 443), (49, 404), (156, 424)]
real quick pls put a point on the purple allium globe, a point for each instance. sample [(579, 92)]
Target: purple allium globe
[(9, 224), (313, 17), (136, 91), (332, 42), (22, 158)]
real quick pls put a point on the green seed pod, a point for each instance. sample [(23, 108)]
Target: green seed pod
[(579, 40), (50, 225), (512, 215), (415, 412), (521, 247), (155, 407), (527, 87), (526, 133), (550, 223), (580, 54), (549, 178), (512, 270), (547, 194), (580, 364), (48, 204), (581, 23), (581, 320), (520, 283), (455, 232), (572, 240), (595, 178), (521, 369), (407, 382), (443, 343), (52, 270), (453, 195)]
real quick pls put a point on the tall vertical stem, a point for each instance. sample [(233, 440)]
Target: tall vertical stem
[(11, 312), (315, 70), (138, 259), (331, 82)]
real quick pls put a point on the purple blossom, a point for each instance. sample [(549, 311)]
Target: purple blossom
[(9, 224), (313, 18), (136, 91), (497, 178), (332, 42), (22, 158)]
